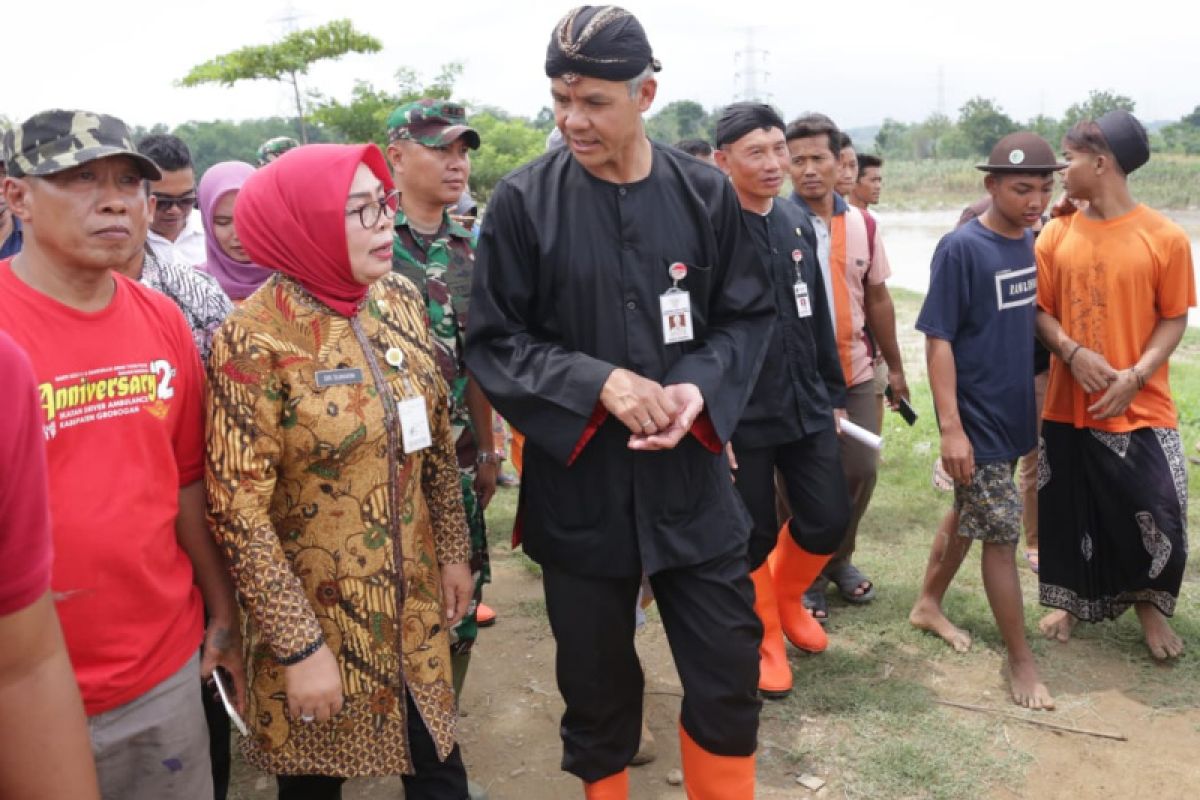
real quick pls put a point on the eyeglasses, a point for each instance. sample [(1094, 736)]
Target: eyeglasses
[(369, 214), (185, 204)]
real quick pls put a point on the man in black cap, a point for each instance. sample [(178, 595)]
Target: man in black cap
[(586, 257), (1115, 283), (978, 324), (789, 422)]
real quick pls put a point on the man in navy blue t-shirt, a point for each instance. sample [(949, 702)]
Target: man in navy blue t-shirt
[(978, 320)]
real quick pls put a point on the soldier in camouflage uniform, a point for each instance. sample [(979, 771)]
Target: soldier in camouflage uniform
[(429, 140), (272, 149)]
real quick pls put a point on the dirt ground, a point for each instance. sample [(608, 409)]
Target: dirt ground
[(509, 729), (864, 716)]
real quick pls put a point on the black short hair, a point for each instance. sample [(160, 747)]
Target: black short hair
[(169, 152), (866, 160), (814, 124), (694, 147), (844, 141), (1086, 137), (740, 119)]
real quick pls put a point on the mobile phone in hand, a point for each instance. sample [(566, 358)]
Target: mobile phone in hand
[(226, 695), (905, 410)]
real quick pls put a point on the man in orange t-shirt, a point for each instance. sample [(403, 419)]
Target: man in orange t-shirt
[(1115, 283), (120, 390)]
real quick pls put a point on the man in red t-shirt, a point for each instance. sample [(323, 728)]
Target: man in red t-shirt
[(44, 750), (120, 389)]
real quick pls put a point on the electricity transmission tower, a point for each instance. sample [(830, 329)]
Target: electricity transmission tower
[(750, 75)]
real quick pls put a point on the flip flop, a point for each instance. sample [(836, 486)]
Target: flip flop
[(816, 602), (848, 578)]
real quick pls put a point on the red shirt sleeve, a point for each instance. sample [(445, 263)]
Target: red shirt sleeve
[(599, 414), (705, 433), (25, 545)]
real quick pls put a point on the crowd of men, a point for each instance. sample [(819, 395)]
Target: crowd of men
[(680, 347)]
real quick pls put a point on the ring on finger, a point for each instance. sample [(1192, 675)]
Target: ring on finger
[(308, 718), (647, 424)]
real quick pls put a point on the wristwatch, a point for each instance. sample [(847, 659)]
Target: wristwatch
[(488, 458)]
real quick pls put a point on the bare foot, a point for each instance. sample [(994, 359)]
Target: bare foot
[(1163, 642), (1058, 625), (928, 617), (1027, 690)]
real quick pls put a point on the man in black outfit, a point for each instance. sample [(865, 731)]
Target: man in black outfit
[(584, 258), (789, 424)]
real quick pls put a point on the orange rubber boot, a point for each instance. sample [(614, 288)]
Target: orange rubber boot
[(614, 787), (774, 671), (707, 776), (485, 616), (794, 569)]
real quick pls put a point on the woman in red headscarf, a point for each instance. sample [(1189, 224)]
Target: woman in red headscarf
[(333, 488)]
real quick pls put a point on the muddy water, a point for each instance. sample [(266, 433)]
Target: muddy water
[(911, 237)]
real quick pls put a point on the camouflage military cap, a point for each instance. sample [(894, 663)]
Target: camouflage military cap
[(272, 149), (433, 123), (57, 140)]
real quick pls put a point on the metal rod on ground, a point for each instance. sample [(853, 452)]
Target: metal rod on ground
[(1120, 737)]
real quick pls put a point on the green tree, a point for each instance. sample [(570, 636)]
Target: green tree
[(505, 144), (286, 60), (544, 120), (221, 140), (1099, 102), (364, 118), (1048, 128), (955, 144), (982, 123), (139, 132), (681, 119), (894, 139), (1183, 136), (928, 135)]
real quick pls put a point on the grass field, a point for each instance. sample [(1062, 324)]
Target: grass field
[(864, 711), (1168, 181)]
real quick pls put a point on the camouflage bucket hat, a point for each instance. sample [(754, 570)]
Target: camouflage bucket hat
[(433, 123), (272, 149), (57, 140)]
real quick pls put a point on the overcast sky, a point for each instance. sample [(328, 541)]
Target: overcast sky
[(857, 61)]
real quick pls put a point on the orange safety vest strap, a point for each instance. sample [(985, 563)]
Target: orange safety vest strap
[(843, 325)]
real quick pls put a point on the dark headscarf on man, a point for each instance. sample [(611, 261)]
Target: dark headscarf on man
[(739, 119), (1126, 138), (605, 42)]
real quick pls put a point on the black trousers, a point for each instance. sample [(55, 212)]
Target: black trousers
[(811, 472), (434, 779), (219, 736), (708, 614)]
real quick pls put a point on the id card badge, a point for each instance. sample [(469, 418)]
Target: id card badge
[(414, 424), (803, 304), (676, 308)]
